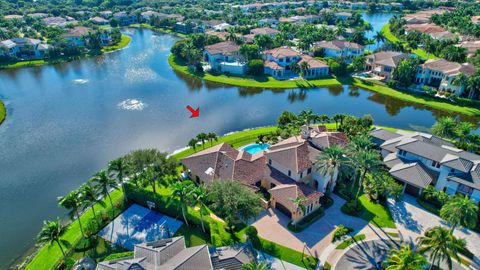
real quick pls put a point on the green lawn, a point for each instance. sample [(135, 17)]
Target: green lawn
[(377, 214), (351, 240), (392, 38), (286, 254), (122, 44), (3, 112), (162, 30), (49, 255), (471, 108), (28, 63), (259, 82)]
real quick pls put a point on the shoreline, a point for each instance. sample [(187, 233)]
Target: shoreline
[(3, 112), (42, 62), (471, 109)]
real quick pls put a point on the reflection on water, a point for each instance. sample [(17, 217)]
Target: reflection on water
[(58, 133)]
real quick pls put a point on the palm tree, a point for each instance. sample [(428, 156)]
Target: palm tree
[(445, 127), (338, 118), (202, 137), (304, 67), (182, 193), (460, 79), (90, 197), (463, 131), (149, 178), (212, 137), (357, 144), (118, 169), (368, 161), (73, 202), (460, 210), (441, 245), (299, 203), (199, 197), (306, 116), (193, 144), (379, 36), (104, 184), (329, 162), (405, 259), (51, 232), (255, 265), (231, 36)]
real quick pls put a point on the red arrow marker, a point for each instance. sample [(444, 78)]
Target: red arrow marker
[(195, 113)]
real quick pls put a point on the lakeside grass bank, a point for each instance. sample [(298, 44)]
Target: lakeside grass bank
[(392, 38), (3, 112), (40, 62), (466, 107)]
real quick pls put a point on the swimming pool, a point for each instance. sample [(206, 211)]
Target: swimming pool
[(256, 147)]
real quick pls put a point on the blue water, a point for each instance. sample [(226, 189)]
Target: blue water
[(255, 148)]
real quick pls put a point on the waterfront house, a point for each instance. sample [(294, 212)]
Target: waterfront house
[(24, 48), (124, 18), (76, 36), (285, 169), (341, 49), (433, 30), (279, 62), (343, 15), (440, 73), (422, 17), (418, 159), (188, 28), (224, 57), (99, 21), (383, 63), (147, 15), (170, 253)]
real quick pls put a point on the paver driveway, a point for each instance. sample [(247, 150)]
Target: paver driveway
[(272, 225), (412, 220)]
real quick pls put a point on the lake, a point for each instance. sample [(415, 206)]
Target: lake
[(67, 121)]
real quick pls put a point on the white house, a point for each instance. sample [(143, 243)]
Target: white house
[(440, 73), (76, 36), (419, 159), (225, 57), (340, 48), (24, 48)]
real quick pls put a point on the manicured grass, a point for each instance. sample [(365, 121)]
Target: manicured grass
[(259, 82), (3, 112), (122, 44), (236, 139), (29, 63), (158, 29), (393, 234), (392, 38), (285, 253), (377, 214), (193, 236), (49, 255), (351, 240), (472, 108)]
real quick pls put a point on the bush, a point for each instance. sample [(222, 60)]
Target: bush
[(255, 67), (349, 208), (251, 232), (116, 256), (307, 221), (319, 52), (327, 266), (340, 232)]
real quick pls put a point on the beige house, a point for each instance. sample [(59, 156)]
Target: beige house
[(285, 169), (383, 63)]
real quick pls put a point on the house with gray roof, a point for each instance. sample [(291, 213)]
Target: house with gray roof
[(419, 159), (285, 169), (383, 63), (24, 48), (169, 254), (224, 57)]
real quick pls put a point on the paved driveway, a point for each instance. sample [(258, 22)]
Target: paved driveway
[(272, 225), (412, 220)]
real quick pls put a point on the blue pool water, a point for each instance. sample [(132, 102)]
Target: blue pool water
[(256, 147)]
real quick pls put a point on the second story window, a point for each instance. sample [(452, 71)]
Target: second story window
[(435, 164), (289, 173), (402, 152)]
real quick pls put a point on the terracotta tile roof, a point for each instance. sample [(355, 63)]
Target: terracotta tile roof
[(263, 31), (293, 156), (282, 52), (312, 62), (387, 58), (425, 28), (471, 46), (226, 48), (221, 35), (338, 45), (77, 31), (273, 65), (286, 192)]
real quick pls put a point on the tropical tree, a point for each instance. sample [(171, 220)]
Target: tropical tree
[(405, 71), (359, 62), (231, 35), (463, 130), (330, 161), (104, 184), (91, 197), (202, 137), (299, 203), (304, 67), (118, 170), (379, 36), (74, 203), (182, 193), (193, 143), (368, 161), (255, 265), (212, 137), (445, 127), (405, 258), (51, 232), (441, 245), (454, 53), (149, 178), (306, 116), (460, 210), (338, 118), (199, 198)]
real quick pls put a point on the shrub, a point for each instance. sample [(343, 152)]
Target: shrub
[(327, 266), (255, 67), (251, 232), (349, 208), (340, 232), (319, 52), (120, 255)]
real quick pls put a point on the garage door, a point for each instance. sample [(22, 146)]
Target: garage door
[(412, 190), (283, 209)]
